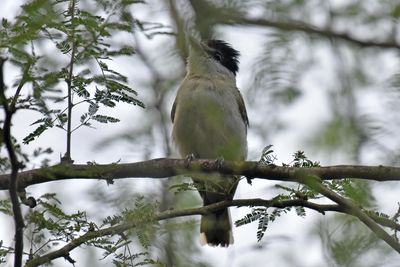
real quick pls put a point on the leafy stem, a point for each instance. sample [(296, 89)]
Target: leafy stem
[(67, 156)]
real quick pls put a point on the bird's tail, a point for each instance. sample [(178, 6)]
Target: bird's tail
[(216, 229)]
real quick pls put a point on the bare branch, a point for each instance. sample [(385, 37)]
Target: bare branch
[(298, 26), (180, 36), (18, 90), (9, 110), (212, 14), (67, 157), (166, 167)]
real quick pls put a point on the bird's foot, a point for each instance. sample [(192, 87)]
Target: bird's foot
[(189, 158), (219, 162), (249, 180)]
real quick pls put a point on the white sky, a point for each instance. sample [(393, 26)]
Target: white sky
[(289, 236)]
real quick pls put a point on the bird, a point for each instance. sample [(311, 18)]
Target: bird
[(210, 122)]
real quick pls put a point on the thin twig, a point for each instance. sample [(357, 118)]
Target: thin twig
[(121, 228), (67, 156), (351, 208), (18, 90), (118, 229)]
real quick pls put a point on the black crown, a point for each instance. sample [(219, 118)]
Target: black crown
[(225, 54)]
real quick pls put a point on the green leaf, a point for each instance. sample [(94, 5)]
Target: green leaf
[(105, 119), (251, 217), (93, 108), (38, 131), (126, 51), (5, 207), (267, 156), (182, 187), (262, 226)]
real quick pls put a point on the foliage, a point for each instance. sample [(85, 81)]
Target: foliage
[(49, 228), (82, 48), (185, 186), (267, 156), (121, 248), (262, 215), (342, 251), (63, 52), (356, 190)]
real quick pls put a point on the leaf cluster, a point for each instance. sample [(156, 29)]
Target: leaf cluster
[(49, 225), (263, 217), (185, 186), (142, 215), (358, 191), (81, 45)]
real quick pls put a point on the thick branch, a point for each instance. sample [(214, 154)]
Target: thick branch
[(298, 26), (166, 167)]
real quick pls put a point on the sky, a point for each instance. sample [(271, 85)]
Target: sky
[(290, 234)]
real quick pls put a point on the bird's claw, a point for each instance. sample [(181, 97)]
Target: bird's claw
[(249, 180), (189, 158), (219, 161)]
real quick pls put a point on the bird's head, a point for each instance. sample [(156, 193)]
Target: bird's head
[(213, 57)]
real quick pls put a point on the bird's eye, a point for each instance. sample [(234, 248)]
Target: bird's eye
[(218, 56)]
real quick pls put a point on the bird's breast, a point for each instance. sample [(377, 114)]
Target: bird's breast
[(208, 122)]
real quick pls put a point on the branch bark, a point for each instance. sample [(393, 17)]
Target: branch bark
[(351, 208), (298, 26), (119, 229), (9, 110), (209, 13), (67, 156), (166, 167)]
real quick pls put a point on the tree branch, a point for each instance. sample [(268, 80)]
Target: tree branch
[(350, 208), (166, 167), (298, 26), (67, 157), (119, 229), (211, 14), (9, 110), (161, 168)]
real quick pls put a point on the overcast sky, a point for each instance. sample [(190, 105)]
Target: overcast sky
[(288, 237)]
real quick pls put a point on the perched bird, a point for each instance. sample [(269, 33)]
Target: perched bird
[(210, 121)]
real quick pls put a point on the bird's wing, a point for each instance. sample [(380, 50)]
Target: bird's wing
[(173, 111), (242, 107)]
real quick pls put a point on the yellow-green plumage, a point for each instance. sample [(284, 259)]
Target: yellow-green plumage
[(210, 121)]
